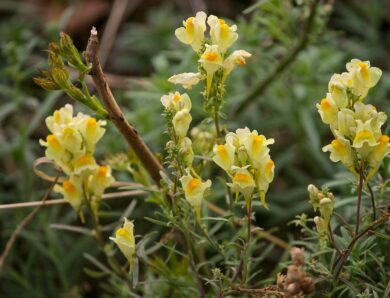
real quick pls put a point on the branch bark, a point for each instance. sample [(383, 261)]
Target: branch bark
[(144, 154)]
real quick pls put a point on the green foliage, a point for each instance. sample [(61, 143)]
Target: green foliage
[(48, 262)]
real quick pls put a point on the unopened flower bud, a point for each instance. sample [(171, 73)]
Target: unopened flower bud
[(313, 195), (70, 53), (61, 77), (181, 122), (326, 209), (46, 83), (187, 152), (320, 225)]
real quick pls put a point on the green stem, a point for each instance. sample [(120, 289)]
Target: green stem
[(216, 121), (372, 201), (359, 203)]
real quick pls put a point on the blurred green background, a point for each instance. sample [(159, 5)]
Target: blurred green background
[(140, 56)]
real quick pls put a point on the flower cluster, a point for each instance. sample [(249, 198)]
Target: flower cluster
[(324, 201), (211, 50), (245, 158), (177, 111), (358, 141), (71, 146)]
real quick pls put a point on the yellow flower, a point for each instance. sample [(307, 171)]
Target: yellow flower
[(363, 76), (235, 58), (328, 110), (211, 61), (313, 195), (337, 86), (186, 79), (340, 150), (364, 134), (181, 123), (71, 139), (60, 118), (91, 130), (194, 190), (56, 152), (100, 180), (124, 239), (176, 101), (84, 165), (378, 154), (224, 156), (186, 151), (221, 34), (256, 146), (264, 176), (72, 191), (326, 209), (193, 31), (242, 182), (346, 123)]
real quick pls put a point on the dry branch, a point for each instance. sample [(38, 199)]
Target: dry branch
[(146, 157)]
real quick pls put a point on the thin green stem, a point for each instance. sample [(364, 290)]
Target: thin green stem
[(331, 238), (248, 239), (359, 203), (372, 201), (216, 121), (242, 264)]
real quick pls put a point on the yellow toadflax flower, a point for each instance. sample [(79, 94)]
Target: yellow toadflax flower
[(364, 134), (242, 182), (91, 130), (194, 190), (378, 154), (71, 139), (340, 150), (176, 101), (60, 118), (328, 111), (72, 191), (186, 79), (124, 239), (256, 146), (211, 60), (363, 76), (181, 122), (235, 58), (221, 34), (264, 176), (337, 87), (56, 152), (193, 31), (224, 156), (100, 180), (346, 123)]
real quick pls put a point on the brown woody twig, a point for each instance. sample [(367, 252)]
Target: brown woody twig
[(144, 154)]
